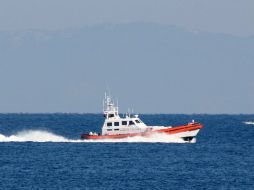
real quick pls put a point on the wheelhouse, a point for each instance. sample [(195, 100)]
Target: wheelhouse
[(114, 124)]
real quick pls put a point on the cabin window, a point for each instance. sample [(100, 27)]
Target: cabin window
[(131, 123), (111, 115), (116, 124), (116, 129), (137, 121), (109, 129), (124, 122), (109, 124)]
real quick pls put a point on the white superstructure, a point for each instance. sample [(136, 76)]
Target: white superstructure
[(114, 124)]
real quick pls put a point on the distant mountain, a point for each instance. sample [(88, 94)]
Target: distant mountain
[(153, 68)]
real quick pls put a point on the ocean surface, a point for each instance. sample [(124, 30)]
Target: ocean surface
[(43, 151)]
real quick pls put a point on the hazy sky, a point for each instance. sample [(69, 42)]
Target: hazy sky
[(161, 56), (219, 16)]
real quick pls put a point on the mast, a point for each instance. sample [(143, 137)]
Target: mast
[(109, 108)]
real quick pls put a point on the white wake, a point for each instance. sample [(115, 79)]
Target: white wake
[(45, 136), (249, 122), (33, 136)]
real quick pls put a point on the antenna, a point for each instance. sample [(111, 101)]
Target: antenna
[(117, 104), (108, 89), (129, 112), (103, 105)]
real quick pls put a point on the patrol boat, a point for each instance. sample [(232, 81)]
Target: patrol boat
[(116, 127)]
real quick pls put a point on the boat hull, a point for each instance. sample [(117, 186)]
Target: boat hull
[(186, 132)]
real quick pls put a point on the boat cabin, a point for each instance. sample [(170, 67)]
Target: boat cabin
[(114, 124)]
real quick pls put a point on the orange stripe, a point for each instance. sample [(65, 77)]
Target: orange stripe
[(173, 130)]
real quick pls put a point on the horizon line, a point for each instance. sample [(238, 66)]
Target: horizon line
[(99, 113)]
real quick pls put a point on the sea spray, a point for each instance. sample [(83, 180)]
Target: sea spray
[(33, 136), (249, 122)]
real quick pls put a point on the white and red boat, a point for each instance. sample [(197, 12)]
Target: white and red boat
[(116, 127)]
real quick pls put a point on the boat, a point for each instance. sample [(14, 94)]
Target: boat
[(130, 125)]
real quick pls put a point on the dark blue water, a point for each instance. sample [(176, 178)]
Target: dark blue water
[(222, 158)]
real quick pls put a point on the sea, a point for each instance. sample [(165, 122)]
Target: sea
[(44, 151)]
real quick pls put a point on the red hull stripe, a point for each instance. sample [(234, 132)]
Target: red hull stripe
[(173, 130)]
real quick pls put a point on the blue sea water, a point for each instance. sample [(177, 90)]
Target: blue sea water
[(222, 157)]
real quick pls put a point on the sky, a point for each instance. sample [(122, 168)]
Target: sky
[(160, 56)]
